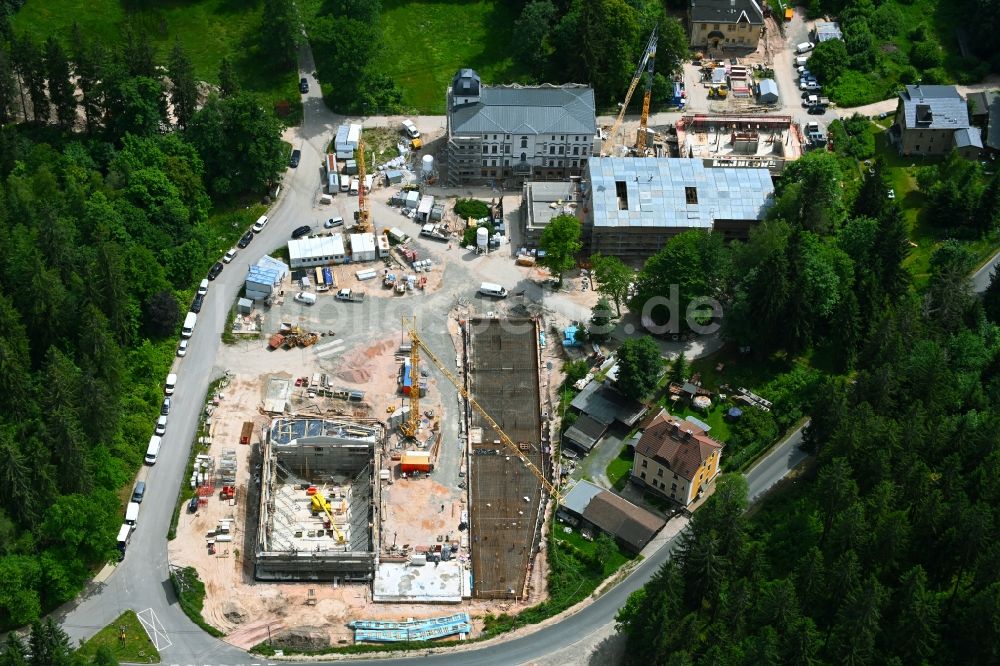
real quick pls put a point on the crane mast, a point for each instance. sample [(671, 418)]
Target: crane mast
[(409, 428), (417, 341), (647, 57), (362, 224), (640, 143)]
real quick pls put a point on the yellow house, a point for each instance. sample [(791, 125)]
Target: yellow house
[(675, 458), (726, 24)]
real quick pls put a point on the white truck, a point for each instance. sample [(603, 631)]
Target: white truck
[(190, 321), (350, 296)]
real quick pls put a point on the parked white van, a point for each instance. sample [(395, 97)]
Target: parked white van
[(189, 323), (124, 534), (306, 297), (355, 184), (804, 47), (259, 225), (153, 450), (170, 384), (800, 61), (345, 182), (132, 513), (491, 289)]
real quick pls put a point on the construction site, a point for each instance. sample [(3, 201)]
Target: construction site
[(506, 495), (748, 141), (319, 493)]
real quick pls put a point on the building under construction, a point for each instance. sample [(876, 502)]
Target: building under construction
[(505, 497), (319, 492), (740, 141)]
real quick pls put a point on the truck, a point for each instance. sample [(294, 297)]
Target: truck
[(350, 296), (434, 231)]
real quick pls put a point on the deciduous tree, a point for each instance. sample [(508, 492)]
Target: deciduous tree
[(561, 242), (613, 278), (639, 366)]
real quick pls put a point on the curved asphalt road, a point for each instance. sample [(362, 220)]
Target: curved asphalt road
[(141, 582)]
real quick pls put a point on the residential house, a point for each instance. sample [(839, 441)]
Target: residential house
[(598, 510), (606, 405), (930, 121), (513, 132), (726, 24), (985, 111), (676, 459)]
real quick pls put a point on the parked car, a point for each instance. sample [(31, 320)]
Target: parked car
[(335, 221), (303, 85), (301, 231), (294, 160), (197, 303), (182, 348), (203, 288), (891, 194), (813, 86), (161, 425), (816, 110), (139, 492), (193, 505), (411, 129), (229, 256), (165, 407), (245, 240), (214, 271)]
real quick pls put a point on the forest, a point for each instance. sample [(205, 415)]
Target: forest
[(114, 203), (885, 549)]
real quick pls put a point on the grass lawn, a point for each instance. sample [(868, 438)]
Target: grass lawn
[(137, 648), (426, 42), (619, 468), (207, 29), (902, 174), (586, 547), (715, 417)]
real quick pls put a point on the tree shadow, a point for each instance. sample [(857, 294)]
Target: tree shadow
[(609, 652)]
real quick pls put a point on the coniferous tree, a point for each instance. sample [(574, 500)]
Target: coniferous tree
[(8, 89), (30, 67), (184, 93), (61, 92), (229, 83)]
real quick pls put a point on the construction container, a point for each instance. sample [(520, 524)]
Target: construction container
[(247, 433), (415, 461)]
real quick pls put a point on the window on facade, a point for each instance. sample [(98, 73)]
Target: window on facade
[(672, 496), (731, 28), (743, 26), (552, 150), (493, 163), (583, 163), (642, 475), (714, 27), (675, 475), (576, 150), (486, 149), (484, 162), (524, 142), (659, 472), (506, 148), (494, 137), (691, 194), (486, 137), (553, 137), (584, 150), (644, 463), (673, 487), (507, 138), (524, 157), (494, 150), (574, 162), (506, 162)]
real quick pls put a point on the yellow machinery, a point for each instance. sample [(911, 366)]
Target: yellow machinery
[(409, 428), (645, 65), (319, 503), (363, 223), (416, 341)]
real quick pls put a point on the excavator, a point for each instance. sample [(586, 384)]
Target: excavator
[(320, 503), (417, 344)]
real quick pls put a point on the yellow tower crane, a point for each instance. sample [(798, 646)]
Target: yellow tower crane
[(363, 224), (409, 428), (645, 66), (410, 324)]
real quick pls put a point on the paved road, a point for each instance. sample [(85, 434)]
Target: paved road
[(776, 464), (981, 278), (141, 581)]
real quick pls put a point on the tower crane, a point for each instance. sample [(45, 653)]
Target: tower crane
[(362, 223), (409, 323), (645, 65), (409, 428)]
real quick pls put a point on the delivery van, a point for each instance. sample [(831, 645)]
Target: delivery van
[(124, 534), (491, 289), (355, 184), (132, 513), (306, 297), (345, 182), (153, 450), (804, 47), (800, 61), (189, 323), (170, 385)]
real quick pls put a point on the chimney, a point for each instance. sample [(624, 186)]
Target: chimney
[(677, 426), (687, 434)]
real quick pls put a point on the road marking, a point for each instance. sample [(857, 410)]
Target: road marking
[(154, 629), (330, 352), (326, 345)]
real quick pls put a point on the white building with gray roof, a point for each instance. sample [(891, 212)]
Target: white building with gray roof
[(507, 133), (930, 120), (634, 205)]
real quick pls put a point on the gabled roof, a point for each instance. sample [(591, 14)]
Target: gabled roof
[(615, 515), (980, 102), (727, 11), (610, 513), (585, 432), (605, 405), (827, 30), (680, 445), (933, 107), (768, 88), (969, 137), (516, 109), (993, 125)]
